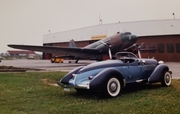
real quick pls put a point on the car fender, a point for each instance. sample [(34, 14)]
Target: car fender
[(100, 79), (157, 74), (68, 76)]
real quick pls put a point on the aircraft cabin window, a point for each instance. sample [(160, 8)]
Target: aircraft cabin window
[(144, 46), (152, 46)]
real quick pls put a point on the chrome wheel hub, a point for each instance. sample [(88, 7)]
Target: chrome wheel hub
[(113, 86), (167, 78)]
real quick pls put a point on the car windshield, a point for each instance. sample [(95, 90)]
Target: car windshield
[(123, 55)]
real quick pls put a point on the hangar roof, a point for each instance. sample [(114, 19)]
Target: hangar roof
[(139, 28)]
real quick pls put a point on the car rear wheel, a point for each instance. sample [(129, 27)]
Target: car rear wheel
[(113, 87), (166, 80)]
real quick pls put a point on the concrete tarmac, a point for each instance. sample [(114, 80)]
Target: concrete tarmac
[(46, 65)]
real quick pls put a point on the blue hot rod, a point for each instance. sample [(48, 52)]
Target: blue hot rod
[(111, 76)]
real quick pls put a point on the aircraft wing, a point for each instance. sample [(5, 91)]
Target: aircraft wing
[(67, 51)]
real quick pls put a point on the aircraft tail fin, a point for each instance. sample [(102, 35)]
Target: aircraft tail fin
[(72, 43)]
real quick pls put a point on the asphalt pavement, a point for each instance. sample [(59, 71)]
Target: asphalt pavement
[(44, 64)]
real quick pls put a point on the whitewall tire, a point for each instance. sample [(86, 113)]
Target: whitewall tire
[(166, 80), (113, 87)]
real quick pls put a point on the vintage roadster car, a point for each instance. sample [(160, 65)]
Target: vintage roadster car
[(111, 76)]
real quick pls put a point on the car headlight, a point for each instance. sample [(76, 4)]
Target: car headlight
[(90, 77), (160, 62)]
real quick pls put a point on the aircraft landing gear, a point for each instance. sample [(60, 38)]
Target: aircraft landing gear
[(77, 61)]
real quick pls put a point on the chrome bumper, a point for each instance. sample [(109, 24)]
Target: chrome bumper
[(80, 86)]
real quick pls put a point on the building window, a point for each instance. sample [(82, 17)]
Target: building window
[(161, 48), (170, 48), (152, 48), (178, 48), (143, 47)]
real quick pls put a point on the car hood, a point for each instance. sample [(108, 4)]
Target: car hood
[(100, 65)]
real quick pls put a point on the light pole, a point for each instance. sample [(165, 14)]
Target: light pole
[(100, 20), (173, 15)]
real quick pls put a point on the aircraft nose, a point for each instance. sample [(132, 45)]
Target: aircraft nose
[(133, 38), (127, 36)]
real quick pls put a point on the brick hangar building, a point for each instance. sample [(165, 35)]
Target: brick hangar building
[(164, 35)]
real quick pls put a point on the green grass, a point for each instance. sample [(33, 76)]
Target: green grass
[(26, 93)]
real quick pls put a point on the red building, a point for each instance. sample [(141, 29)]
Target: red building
[(163, 35), (20, 52)]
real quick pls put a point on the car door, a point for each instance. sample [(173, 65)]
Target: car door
[(135, 71), (147, 70)]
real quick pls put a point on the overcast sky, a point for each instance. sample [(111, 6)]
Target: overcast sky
[(26, 21)]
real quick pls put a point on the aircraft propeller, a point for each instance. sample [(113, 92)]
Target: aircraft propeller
[(132, 46), (138, 47), (109, 48)]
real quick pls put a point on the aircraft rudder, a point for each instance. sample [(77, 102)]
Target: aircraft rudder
[(72, 43)]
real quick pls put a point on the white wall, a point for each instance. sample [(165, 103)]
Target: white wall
[(139, 28)]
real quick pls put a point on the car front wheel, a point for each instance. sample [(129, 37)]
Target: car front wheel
[(166, 80), (113, 87)]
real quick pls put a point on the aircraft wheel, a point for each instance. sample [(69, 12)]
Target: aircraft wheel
[(113, 87), (166, 80)]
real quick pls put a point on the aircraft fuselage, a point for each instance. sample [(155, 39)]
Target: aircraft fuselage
[(118, 42)]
